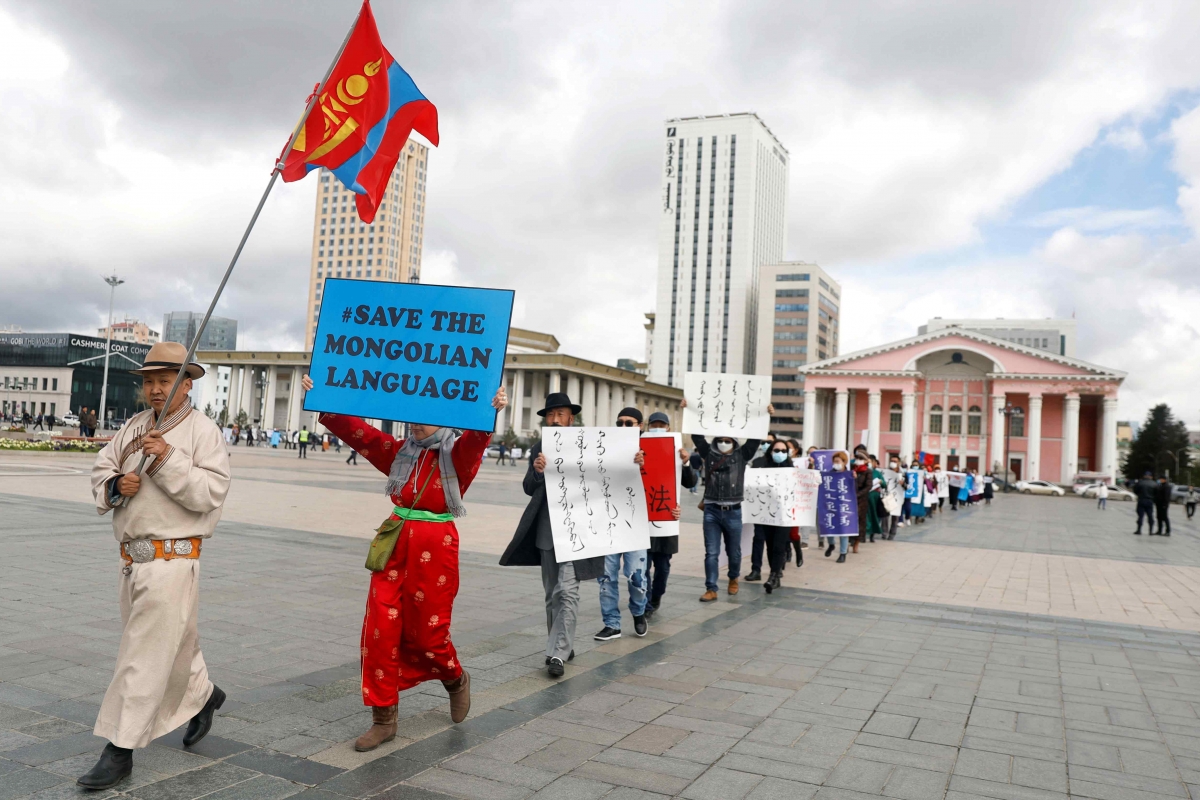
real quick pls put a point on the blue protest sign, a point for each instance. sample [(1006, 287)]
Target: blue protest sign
[(822, 459), (837, 505), (410, 351), (913, 488)]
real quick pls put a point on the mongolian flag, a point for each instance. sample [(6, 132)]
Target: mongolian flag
[(362, 119)]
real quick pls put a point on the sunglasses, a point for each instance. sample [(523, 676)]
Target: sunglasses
[(628, 423)]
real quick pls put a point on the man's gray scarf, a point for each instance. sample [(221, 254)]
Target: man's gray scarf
[(406, 460)]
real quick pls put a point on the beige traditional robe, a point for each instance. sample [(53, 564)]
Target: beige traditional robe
[(160, 681)]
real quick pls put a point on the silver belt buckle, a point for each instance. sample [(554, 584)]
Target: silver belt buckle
[(183, 547), (140, 551)]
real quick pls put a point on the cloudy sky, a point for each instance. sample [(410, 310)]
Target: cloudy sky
[(948, 159)]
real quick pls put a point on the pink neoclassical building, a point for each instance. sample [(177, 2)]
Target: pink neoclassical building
[(943, 393)]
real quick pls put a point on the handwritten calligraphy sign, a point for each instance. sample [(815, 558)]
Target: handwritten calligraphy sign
[(837, 505), (771, 497), (659, 477), (669, 527), (594, 492), (957, 479), (720, 404), (914, 481), (806, 506), (823, 459)]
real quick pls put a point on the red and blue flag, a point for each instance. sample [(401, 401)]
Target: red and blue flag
[(363, 116)]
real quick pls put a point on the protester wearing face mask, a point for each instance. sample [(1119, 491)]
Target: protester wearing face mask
[(943, 486), (874, 501), (774, 537), (895, 495), (725, 471), (807, 462), (862, 491)]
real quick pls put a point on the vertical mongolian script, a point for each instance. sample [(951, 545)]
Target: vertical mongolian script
[(564, 504)]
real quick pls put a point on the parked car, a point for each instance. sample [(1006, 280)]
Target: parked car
[(70, 420), (1040, 487), (1178, 493), (1114, 492)]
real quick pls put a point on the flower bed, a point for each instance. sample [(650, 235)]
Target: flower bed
[(72, 446)]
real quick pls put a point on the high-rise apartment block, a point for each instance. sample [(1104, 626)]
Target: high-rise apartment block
[(130, 330), (219, 334), (799, 308), (389, 249), (724, 213)]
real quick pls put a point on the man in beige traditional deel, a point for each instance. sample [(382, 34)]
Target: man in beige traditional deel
[(160, 519)]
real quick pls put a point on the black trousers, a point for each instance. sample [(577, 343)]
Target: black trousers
[(1145, 509), (1163, 519), (777, 542), (1191, 509), (658, 567), (756, 549), (303, 450)]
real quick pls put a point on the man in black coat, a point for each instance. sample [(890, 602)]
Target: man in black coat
[(1146, 490), (533, 545), (1162, 504)]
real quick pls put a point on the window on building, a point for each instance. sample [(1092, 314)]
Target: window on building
[(791, 307), (955, 419), (792, 276), (1016, 425), (935, 419), (788, 349), (974, 421), (791, 292), (895, 418)]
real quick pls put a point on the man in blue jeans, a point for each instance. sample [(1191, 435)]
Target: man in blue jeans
[(724, 471), (634, 570)]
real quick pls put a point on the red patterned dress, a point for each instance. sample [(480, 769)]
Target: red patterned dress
[(406, 630)]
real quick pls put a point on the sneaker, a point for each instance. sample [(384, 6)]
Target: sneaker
[(708, 597), (608, 634), (639, 625), (570, 657), (556, 668), (754, 575)]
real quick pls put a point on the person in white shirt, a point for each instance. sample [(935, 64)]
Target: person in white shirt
[(1102, 497)]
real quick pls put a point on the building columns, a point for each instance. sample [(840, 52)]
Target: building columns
[(604, 413), (997, 433), (1070, 462), (874, 402), (1033, 447), (588, 401), (573, 388), (810, 419), (518, 402), (555, 381), (841, 409), (908, 432), (245, 392), (1108, 438), (293, 416), (268, 417)]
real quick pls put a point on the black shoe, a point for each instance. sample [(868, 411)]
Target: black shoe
[(755, 575), (829, 551), (114, 766), (649, 613), (841, 558), (201, 724), (608, 634), (639, 625), (556, 668), (1138, 532), (568, 658), (768, 586)]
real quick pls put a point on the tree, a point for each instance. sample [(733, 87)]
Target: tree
[(208, 411), (241, 419), (1161, 443)]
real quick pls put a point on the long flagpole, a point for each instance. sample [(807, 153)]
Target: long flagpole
[(237, 253)]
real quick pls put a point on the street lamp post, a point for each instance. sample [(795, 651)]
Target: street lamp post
[(1008, 410), (113, 281)]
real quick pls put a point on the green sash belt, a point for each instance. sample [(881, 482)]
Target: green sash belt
[(424, 516)]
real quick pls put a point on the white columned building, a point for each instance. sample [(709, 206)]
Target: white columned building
[(1033, 446), (840, 411), (1070, 438)]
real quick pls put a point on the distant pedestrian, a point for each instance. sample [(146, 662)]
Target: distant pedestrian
[(989, 483), (337, 445), (501, 451), (1162, 502), (303, 442), (1189, 501), (1146, 490), (37, 424), (1102, 497), (352, 459)]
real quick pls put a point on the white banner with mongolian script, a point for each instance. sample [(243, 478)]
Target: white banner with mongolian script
[(719, 404)]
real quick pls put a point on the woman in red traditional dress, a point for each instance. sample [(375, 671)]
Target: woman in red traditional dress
[(406, 630)]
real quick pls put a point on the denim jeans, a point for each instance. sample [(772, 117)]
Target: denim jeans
[(721, 523), (610, 587)]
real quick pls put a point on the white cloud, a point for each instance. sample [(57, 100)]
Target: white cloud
[(1094, 219), (1125, 137)]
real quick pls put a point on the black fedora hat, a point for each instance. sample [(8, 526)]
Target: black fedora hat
[(559, 400)]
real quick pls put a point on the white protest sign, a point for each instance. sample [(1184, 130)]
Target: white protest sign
[(771, 497), (720, 404), (806, 506), (594, 492), (957, 479), (669, 527)]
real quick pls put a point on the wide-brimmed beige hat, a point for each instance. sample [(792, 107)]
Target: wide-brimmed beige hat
[(169, 355)]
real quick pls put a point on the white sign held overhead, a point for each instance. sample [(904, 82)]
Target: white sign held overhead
[(594, 492), (720, 404)]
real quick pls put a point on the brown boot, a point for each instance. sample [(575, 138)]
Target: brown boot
[(708, 597), (460, 697), (383, 729), (733, 586), (854, 546)]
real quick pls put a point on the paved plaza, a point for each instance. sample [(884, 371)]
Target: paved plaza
[(986, 654)]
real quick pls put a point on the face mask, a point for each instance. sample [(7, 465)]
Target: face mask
[(838, 466), (725, 447), (762, 448), (779, 456), (895, 466)]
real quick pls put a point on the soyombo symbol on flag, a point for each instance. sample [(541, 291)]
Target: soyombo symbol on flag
[(365, 112)]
